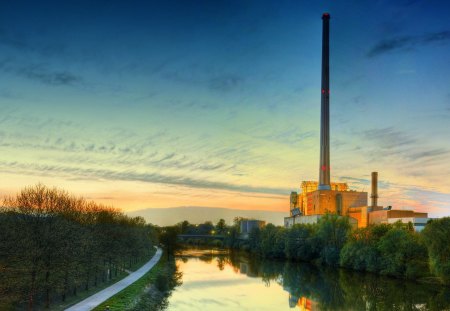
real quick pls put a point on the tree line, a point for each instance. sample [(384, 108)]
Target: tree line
[(386, 249), (53, 245)]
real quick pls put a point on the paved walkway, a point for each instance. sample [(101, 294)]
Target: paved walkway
[(93, 301)]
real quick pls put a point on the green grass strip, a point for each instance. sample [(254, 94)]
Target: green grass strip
[(83, 294), (130, 295)]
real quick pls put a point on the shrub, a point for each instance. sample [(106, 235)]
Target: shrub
[(437, 237)]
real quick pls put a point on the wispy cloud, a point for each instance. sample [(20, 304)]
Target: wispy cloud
[(406, 43), (392, 142), (117, 147), (23, 44), (44, 75), (130, 175), (354, 180), (41, 73), (412, 158), (429, 154), (225, 82), (389, 137), (16, 42)]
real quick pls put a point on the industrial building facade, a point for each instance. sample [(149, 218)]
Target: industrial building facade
[(322, 197), (308, 207)]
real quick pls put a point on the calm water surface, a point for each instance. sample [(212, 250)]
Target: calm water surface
[(222, 280)]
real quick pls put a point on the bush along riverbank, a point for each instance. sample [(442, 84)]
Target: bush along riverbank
[(394, 250), (150, 292)]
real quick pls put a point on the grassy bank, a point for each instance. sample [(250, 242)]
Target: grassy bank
[(93, 290), (148, 292)]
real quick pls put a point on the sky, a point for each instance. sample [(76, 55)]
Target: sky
[(141, 104)]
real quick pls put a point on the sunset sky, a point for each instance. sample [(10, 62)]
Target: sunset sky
[(217, 103)]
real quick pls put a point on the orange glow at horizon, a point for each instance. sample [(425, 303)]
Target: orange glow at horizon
[(130, 196), (133, 195)]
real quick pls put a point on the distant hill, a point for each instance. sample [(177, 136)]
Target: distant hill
[(198, 214)]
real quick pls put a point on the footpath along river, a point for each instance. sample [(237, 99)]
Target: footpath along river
[(223, 280)]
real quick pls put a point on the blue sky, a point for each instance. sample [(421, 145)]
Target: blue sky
[(216, 103)]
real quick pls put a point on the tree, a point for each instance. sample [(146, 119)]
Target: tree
[(272, 241), (205, 228), (168, 237), (254, 240), (184, 226), (332, 231), (221, 226), (302, 243), (402, 254), (437, 237), (53, 244)]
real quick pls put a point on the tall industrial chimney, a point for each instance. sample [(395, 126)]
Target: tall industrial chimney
[(374, 195), (324, 170)]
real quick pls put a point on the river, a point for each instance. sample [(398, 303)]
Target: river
[(223, 280)]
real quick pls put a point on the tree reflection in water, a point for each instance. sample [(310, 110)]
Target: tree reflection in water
[(319, 288)]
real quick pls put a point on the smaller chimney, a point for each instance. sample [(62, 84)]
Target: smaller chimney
[(374, 195)]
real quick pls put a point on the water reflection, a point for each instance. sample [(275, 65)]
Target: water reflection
[(221, 280)]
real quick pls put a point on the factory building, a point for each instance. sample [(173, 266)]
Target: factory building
[(389, 216), (320, 202), (379, 215), (306, 207), (319, 198), (322, 197), (348, 203), (303, 202)]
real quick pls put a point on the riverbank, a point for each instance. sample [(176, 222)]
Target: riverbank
[(149, 292), (235, 280), (82, 295), (394, 250), (95, 300)]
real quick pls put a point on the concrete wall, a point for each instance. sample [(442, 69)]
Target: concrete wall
[(305, 220), (309, 220), (323, 201), (380, 217), (360, 214)]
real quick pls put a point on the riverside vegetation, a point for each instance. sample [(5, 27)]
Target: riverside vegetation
[(271, 284), (393, 250), (151, 292), (54, 247)]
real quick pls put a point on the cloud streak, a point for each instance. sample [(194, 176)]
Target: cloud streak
[(425, 155), (41, 73), (23, 44), (406, 43), (116, 147), (6, 39), (129, 175), (389, 137), (393, 142), (44, 75), (225, 82)]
